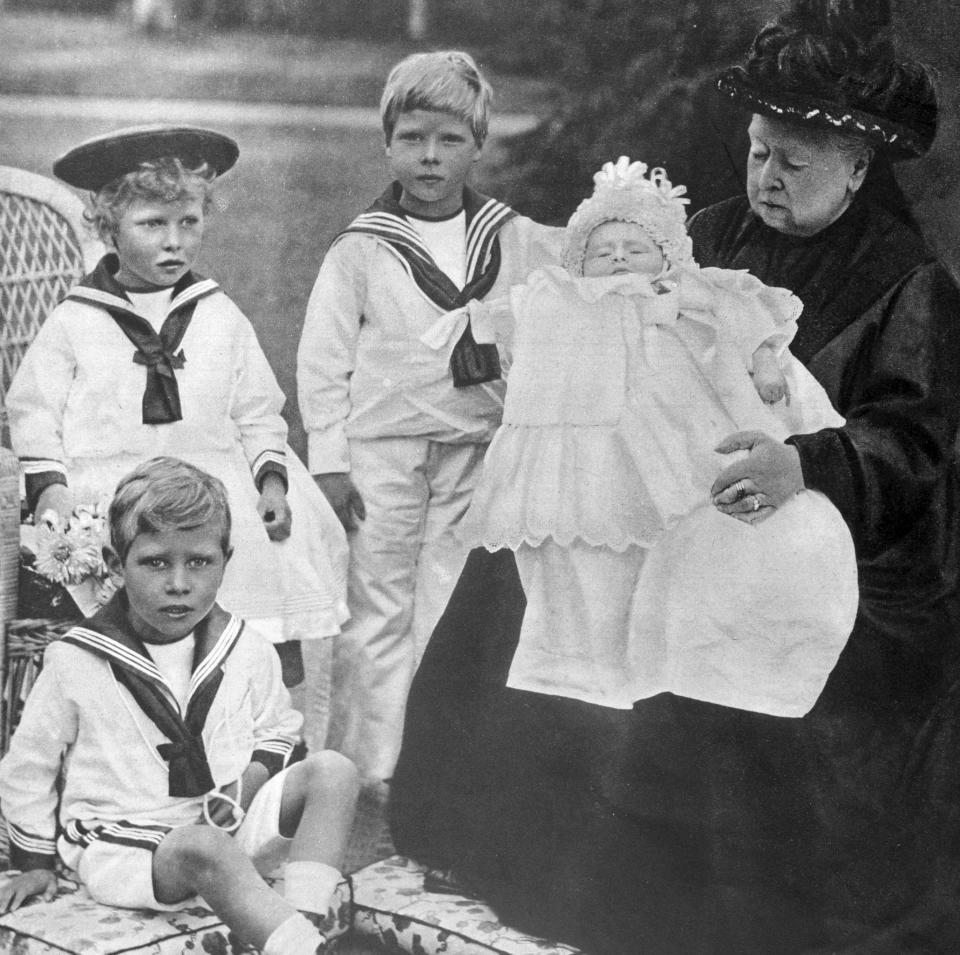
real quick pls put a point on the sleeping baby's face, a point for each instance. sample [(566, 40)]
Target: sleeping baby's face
[(614, 248)]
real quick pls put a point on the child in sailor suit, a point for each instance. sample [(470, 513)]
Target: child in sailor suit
[(397, 431), (145, 357), (629, 368), (168, 727)]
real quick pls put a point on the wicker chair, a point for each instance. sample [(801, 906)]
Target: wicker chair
[(46, 248)]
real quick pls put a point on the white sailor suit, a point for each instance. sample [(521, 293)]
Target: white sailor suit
[(410, 425), (101, 717), (100, 390)]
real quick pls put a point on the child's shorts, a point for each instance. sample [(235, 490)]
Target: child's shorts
[(122, 875)]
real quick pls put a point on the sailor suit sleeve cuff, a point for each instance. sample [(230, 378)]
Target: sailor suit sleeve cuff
[(39, 474), (270, 462), (28, 851), (273, 754)]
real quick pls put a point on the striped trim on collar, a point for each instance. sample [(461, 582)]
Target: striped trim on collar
[(393, 228), (470, 363), (157, 349), (117, 652), (97, 296), (220, 651), (481, 230), (114, 650)]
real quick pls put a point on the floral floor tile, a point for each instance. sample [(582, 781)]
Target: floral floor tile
[(391, 906)]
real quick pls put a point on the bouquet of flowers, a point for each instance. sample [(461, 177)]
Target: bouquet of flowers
[(70, 558)]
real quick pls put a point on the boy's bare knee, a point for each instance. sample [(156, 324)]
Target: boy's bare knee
[(198, 852), (331, 770), (337, 766), (325, 781)]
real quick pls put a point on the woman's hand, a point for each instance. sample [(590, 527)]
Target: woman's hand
[(16, 889), (752, 488), (273, 508), (343, 496), (55, 503)]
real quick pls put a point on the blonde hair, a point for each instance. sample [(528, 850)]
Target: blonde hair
[(165, 179), (446, 81), (163, 493)]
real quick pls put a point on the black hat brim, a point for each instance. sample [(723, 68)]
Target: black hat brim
[(101, 160), (896, 140)]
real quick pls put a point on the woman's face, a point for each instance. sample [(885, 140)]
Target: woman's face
[(798, 182)]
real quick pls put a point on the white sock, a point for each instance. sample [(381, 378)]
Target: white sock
[(309, 886), (295, 936)]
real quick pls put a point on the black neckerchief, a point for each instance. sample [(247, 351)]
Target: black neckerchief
[(108, 634), (158, 352), (470, 363)]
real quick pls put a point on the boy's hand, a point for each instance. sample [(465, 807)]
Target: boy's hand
[(223, 813), (55, 499), (16, 889), (343, 496), (273, 508)]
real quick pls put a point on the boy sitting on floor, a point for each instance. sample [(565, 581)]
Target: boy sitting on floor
[(169, 726)]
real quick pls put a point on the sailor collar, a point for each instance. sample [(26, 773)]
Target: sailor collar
[(108, 635), (470, 363), (159, 351)]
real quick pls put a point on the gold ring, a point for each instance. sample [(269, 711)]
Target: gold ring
[(740, 488), (756, 502)]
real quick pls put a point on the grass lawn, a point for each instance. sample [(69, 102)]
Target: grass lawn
[(293, 189), (99, 56)]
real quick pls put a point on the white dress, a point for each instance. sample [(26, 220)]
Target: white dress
[(599, 479), (75, 405)]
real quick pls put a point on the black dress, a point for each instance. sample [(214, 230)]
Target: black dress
[(680, 827)]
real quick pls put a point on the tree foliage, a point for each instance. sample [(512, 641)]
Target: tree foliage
[(638, 81)]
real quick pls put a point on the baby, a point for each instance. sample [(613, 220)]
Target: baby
[(616, 247), (627, 368)]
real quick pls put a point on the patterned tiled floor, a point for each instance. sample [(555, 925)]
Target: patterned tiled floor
[(360, 946)]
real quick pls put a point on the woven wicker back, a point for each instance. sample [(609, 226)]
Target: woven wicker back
[(9, 566), (9, 533), (44, 249)]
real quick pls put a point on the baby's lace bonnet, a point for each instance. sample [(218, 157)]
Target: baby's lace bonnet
[(622, 192)]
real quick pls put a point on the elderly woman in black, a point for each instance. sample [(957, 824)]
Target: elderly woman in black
[(685, 828)]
